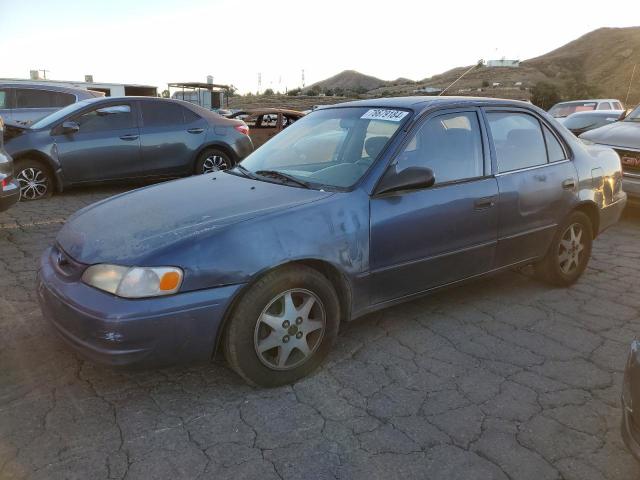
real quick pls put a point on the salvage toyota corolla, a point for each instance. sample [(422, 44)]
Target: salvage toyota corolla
[(351, 209)]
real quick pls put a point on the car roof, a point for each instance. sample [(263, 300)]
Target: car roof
[(261, 111), (421, 102), (599, 113), (589, 100), (48, 86)]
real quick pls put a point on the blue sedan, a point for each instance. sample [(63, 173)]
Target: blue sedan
[(353, 208)]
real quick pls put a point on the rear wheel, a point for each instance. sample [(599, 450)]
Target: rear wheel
[(569, 253), (213, 160), (35, 179), (283, 327)]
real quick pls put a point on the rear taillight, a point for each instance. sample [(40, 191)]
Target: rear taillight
[(6, 181), (243, 129)]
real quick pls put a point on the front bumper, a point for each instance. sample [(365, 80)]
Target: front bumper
[(631, 185), (9, 195), (120, 332)]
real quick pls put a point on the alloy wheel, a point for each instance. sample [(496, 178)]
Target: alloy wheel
[(34, 183), (289, 329), (571, 248), (214, 163)]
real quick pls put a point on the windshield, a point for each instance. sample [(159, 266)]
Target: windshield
[(566, 109), (634, 116), (49, 120), (330, 147)]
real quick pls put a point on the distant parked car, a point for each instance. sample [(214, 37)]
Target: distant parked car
[(624, 138), (9, 189), (266, 261), (24, 103), (267, 122), (564, 109), (106, 139), (581, 122)]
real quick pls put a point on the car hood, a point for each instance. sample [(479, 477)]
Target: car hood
[(130, 227), (618, 134)]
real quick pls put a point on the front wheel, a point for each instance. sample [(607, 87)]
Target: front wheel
[(283, 327), (569, 252), (213, 160)]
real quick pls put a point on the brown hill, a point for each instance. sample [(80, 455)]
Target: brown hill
[(602, 59), (349, 80)]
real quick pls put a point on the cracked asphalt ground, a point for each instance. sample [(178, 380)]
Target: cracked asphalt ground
[(505, 378)]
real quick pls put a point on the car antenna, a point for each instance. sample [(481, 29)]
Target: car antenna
[(479, 64)]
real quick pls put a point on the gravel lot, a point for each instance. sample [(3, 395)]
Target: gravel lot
[(505, 378)]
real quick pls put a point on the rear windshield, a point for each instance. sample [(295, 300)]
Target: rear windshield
[(566, 109)]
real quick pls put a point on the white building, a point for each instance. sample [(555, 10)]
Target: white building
[(109, 89), (503, 62)]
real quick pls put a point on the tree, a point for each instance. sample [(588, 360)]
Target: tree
[(485, 83), (268, 92), (165, 94), (328, 92), (293, 92), (545, 95)]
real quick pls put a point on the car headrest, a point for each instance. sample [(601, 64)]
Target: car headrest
[(524, 137), (374, 145)]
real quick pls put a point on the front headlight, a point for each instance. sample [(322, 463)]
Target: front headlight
[(134, 282)]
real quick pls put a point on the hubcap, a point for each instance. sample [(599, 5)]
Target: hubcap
[(290, 329), (33, 183), (214, 163), (570, 250)]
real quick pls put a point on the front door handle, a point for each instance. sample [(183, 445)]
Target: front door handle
[(484, 203), (569, 184), (131, 136), (195, 130)]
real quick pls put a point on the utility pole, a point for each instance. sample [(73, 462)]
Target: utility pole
[(303, 78), (44, 73), (259, 82), (633, 73)]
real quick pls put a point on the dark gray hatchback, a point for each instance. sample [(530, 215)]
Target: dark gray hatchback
[(127, 138)]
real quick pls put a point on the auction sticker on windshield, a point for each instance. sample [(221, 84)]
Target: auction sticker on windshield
[(384, 114)]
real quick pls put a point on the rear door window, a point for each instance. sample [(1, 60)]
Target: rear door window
[(34, 98), (617, 106), (112, 117), (518, 140), (604, 106), (555, 152), (161, 113)]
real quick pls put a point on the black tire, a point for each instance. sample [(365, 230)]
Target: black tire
[(212, 160), (558, 266), (246, 331), (35, 178)]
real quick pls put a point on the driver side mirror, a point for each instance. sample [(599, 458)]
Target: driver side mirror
[(69, 127), (410, 178)]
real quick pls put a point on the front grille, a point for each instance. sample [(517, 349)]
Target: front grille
[(630, 160)]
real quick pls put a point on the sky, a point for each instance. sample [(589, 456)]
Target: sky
[(160, 41)]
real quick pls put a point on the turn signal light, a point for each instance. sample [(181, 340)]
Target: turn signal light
[(170, 281)]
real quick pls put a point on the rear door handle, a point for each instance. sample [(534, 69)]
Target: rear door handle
[(569, 184), (129, 137), (195, 130), (484, 203)]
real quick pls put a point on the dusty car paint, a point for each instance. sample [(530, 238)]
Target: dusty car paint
[(351, 234)]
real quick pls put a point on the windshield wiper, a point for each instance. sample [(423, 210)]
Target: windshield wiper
[(283, 176), (245, 171)]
